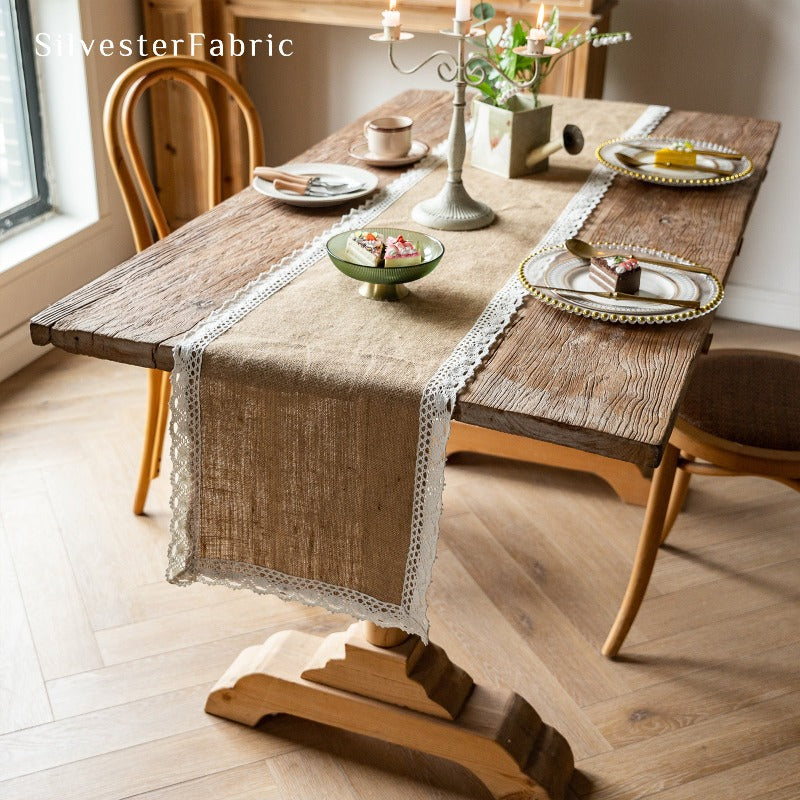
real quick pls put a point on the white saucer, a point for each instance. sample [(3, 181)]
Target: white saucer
[(361, 152), (345, 171)]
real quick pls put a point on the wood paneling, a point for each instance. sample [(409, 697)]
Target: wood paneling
[(178, 129)]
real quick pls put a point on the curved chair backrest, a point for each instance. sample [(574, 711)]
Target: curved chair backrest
[(141, 199)]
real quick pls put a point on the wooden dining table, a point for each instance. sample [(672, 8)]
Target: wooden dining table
[(378, 681)]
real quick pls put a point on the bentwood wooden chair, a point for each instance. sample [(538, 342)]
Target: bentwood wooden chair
[(740, 416), (145, 213)]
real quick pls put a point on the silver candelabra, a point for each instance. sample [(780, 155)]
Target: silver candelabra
[(453, 209)]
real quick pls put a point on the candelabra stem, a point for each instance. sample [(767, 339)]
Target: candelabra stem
[(458, 136), (453, 209)]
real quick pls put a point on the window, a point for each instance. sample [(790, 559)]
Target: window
[(23, 188)]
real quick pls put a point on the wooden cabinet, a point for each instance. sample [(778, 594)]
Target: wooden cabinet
[(173, 116)]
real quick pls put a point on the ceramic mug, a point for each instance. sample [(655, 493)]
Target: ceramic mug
[(389, 137)]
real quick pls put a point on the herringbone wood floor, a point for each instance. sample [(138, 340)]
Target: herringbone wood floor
[(104, 667)]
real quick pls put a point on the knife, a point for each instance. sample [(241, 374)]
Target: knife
[(304, 188), (620, 296), (329, 182), (651, 148)]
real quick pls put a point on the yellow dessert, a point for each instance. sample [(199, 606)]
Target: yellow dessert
[(680, 154)]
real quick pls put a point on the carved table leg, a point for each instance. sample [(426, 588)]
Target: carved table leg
[(400, 691)]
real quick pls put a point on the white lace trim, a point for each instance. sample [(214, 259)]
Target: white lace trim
[(184, 566), (436, 407), (439, 396)]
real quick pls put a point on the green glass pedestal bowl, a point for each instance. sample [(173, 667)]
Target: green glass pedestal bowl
[(386, 283)]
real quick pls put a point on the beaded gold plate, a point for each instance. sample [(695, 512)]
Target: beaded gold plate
[(644, 147), (549, 275)]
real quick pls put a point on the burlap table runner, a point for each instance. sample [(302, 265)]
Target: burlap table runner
[(309, 423)]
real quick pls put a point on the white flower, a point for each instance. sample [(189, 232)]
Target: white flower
[(507, 94), (506, 38)]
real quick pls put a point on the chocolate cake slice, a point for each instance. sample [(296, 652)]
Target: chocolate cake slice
[(616, 274)]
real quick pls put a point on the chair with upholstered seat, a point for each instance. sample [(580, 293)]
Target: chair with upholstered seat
[(146, 216), (740, 416)]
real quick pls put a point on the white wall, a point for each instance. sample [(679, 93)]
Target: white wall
[(737, 57), (39, 266), (335, 75)]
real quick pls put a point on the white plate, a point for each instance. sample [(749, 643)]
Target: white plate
[(349, 173), (737, 169), (362, 153), (557, 268)]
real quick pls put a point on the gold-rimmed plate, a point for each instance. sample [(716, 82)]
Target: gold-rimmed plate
[(643, 148), (549, 275)]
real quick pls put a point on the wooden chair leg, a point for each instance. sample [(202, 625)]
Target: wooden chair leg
[(649, 540), (161, 426), (678, 496), (154, 382)]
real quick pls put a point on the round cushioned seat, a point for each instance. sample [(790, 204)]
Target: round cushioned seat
[(746, 396)]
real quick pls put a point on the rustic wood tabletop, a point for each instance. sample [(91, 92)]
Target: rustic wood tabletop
[(535, 382)]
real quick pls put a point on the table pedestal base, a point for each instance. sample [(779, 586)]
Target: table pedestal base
[(410, 694)]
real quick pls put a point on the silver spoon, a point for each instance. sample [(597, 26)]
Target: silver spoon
[(329, 182), (588, 251)]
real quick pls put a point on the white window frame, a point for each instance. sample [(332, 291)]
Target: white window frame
[(87, 231), (25, 103)]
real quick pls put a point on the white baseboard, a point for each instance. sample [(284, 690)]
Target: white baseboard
[(17, 351), (761, 306)]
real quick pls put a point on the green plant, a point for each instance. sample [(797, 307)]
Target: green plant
[(497, 47)]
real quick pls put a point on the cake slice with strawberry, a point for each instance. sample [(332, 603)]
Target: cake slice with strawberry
[(365, 247), (401, 253), (616, 274)]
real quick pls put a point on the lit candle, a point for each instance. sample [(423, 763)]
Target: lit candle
[(537, 35), (463, 12), (391, 18)]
